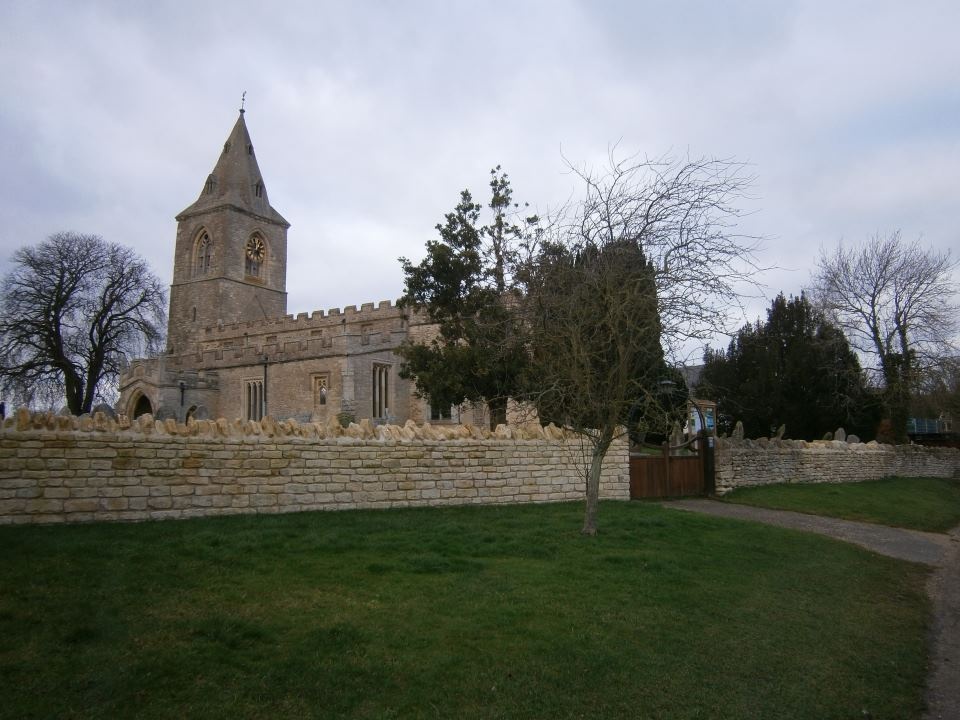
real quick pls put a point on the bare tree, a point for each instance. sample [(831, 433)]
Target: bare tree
[(939, 393), (897, 303), (645, 262), (684, 215), (71, 311)]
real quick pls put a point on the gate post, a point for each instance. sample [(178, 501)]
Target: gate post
[(664, 489), (708, 442)]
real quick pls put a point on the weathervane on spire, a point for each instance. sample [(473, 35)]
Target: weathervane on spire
[(243, 100)]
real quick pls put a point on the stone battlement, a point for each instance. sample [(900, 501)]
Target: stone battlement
[(368, 312)]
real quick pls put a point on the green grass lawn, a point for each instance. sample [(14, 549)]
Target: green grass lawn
[(931, 504), (486, 612)]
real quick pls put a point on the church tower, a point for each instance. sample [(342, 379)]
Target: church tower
[(230, 262)]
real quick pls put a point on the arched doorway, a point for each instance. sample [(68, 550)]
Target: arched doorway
[(142, 406)]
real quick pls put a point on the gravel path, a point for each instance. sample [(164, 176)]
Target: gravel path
[(942, 552)]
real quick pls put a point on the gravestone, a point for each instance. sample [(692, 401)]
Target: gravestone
[(738, 431)]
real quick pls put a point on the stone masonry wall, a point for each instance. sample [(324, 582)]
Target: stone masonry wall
[(63, 470), (59, 469), (745, 463)]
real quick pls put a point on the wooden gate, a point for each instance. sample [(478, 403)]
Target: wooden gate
[(670, 474)]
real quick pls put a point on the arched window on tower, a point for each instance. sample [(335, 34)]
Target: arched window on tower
[(255, 257), (203, 254)]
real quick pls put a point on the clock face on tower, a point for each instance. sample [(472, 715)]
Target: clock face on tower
[(255, 250)]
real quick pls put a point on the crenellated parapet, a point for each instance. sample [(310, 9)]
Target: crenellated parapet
[(383, 312)]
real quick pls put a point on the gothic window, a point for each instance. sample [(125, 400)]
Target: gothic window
[(253, 399), (208, 187), (381, 391), (255, 256), (203, 254), (258, 189), (321, 386)]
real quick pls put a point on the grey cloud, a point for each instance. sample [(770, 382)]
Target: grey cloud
[(370, 117)]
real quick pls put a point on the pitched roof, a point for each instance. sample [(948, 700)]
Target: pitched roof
[(236, 180)]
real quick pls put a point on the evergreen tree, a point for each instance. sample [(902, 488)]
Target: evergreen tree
[(795, 369), (463, 286), (596, 358)]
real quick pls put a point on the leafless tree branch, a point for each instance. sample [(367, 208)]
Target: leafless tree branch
[(897, 304), (71, 311)]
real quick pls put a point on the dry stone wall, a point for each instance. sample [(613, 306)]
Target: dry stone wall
[(745, 463), (56, 469), (62, 469)]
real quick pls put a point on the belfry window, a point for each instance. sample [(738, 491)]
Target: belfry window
[(203, 255), (381, 391), (258, 189), (255, 255)]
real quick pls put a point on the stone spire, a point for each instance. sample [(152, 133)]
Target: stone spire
[(236, 181)]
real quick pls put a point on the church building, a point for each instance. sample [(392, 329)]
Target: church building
[(232, 351)]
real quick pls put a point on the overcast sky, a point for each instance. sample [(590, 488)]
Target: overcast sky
[(370, 117)]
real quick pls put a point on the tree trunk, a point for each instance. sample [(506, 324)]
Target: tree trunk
[(600, 448), (74, 392), (896, 396), (897, 402)]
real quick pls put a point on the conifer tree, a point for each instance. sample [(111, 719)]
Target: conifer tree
[(464, 287), (795, 369)]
